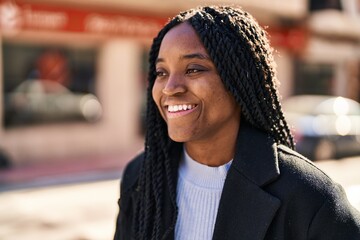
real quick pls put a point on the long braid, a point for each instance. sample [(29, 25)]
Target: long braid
[(156, 170), (253, 83), (240, 50)]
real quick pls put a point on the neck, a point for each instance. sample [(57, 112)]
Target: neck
[(216, 151)]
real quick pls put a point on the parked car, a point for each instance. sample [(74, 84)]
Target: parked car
[(324, 127), (44, 101)]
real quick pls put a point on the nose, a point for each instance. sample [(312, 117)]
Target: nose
[(174, 85)]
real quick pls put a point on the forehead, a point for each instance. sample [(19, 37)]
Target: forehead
[(181, 39)]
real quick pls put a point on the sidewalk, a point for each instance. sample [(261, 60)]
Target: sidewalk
[(84, 211), (76, 200)]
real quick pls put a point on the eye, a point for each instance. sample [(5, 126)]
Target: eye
[(192, 70), (160, 73)]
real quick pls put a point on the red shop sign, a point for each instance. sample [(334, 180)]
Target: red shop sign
[(294, 39), (17, 16)]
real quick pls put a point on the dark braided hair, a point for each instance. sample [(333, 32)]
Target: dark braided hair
[(240, 50)]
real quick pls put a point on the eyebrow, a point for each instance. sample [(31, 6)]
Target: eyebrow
[(189, 56), (196, 55)]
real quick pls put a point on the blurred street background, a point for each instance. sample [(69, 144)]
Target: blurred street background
[(72, 97)]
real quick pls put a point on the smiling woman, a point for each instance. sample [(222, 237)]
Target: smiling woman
[(219, 160), (187, 76)]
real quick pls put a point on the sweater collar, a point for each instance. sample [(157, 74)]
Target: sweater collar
[(202, 175)]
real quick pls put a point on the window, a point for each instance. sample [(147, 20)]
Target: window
[(45, 84), (315, 5), (314, 78)]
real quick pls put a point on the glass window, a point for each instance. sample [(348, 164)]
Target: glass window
[(48, 84), (313, 78), (325, 4)]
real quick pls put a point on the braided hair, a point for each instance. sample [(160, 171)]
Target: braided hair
[(240, 50)]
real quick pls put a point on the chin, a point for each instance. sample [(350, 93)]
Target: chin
[(178, 137)]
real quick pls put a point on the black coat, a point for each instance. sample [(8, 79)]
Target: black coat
[(270, 192)]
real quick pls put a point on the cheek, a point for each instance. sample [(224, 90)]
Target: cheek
[(223, 104), (156, 93)]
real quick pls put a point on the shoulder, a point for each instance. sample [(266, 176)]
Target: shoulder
[(131, 173), (303, 187), (297, 164), (310, 201), (302, 179)]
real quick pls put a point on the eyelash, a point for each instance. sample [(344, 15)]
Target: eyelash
[(161, 73), (193, 70)]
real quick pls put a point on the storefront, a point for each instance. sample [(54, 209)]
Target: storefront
[(331, 60), (72, 80), (104, 55)]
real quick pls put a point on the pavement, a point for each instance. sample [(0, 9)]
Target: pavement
[(85, 211), (80, 203), (75, 200)]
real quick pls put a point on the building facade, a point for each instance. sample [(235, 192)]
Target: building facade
[(102, 47)]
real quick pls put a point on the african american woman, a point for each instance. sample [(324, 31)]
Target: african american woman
[(219, 159)]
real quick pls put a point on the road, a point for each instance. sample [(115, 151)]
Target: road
[(87, 210)]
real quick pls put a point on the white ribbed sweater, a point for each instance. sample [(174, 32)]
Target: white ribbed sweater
[(198, 195)]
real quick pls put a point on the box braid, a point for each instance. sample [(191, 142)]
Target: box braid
[(241, 52)]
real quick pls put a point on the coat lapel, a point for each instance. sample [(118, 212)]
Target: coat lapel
[(245, 209)]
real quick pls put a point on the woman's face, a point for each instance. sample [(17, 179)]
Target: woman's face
[(188, 90)]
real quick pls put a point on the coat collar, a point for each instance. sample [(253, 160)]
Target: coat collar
[(245, 209), (256, 155)]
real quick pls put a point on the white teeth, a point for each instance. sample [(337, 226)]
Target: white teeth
[(176, 108)]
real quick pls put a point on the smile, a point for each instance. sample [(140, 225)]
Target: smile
[(179, 110), (180, 107)]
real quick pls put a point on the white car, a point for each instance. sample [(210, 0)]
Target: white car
[(324, 127), (40, 101)]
